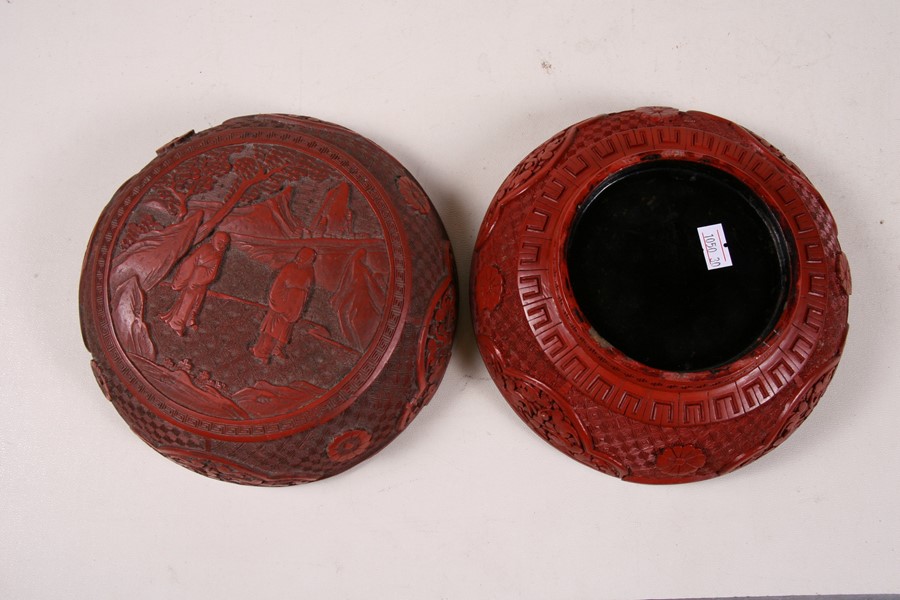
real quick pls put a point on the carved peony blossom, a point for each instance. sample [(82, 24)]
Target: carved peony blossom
[(680, 461), (349, 445)]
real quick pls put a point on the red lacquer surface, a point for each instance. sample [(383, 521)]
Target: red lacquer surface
[(588, 399), (270, 301)]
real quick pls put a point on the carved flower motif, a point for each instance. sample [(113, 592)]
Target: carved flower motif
[(349, 445), (490, 287), (658, 113), (533, 163), (796, 420), (804, 407), (556, 427), (680, 461)]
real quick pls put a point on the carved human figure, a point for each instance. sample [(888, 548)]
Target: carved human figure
[(287, 300), (191, 281)]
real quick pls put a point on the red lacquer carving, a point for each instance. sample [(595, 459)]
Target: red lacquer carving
[(793, 415), (434, 347), (658, 426), (680, 461), (413, 194), (225, 470), (532, 167), (252, 282), (349, 445), (550, 417), (287, 299), (101, 380), (191, 281), (490, 288)]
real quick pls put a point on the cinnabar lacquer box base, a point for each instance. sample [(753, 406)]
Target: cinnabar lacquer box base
[(660, 294)]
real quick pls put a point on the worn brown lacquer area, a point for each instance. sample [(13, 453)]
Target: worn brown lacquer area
[(270, 301), (588, 399)]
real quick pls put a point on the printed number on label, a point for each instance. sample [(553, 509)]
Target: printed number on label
[(715, 246)]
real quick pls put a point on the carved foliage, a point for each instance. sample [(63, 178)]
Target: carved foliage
[(414, 195), (435, 345), (802, 407), (223, 469), (843, 274), (527, 172), (793, 415), (538, 161), (551, 418)]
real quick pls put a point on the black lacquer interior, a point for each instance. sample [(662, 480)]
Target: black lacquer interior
[(639, 275)]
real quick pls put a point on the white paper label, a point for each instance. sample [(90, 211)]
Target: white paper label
[(715, 246)]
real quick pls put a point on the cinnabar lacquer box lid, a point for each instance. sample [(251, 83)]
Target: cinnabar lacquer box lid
[(270, 301)]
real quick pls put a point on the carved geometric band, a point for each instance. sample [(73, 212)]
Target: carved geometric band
[(577, 356)]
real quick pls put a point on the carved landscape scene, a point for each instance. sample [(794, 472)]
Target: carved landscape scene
[(248, 280)]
